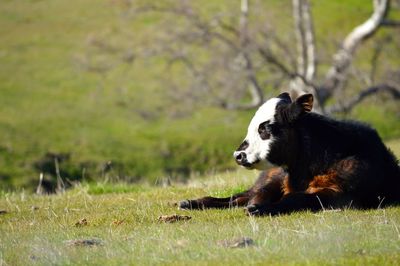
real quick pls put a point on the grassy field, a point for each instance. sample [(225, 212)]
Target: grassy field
[(51, 105), (114, 129), (122, 220), (37, 229)]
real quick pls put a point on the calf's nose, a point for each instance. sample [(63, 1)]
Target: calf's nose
[(240, 157)]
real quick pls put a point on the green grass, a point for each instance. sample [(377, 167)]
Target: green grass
[(38, 236), (36, 229), (50, 104), (124, 218)]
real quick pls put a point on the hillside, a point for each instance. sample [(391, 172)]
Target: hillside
[(118, 126)]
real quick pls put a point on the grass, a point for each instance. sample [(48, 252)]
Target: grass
[(50, 104), (123, 218), (37, 236)]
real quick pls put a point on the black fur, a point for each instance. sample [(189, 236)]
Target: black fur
[(313, 144)]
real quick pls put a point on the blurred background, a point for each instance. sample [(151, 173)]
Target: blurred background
[(129, 91)]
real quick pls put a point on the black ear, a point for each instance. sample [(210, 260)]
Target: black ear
[(285, 96), (305, 102), (302, 105)]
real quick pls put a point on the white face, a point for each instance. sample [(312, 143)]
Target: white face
[(258, 149)]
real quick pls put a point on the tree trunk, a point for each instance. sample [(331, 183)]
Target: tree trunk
[(343, 58)]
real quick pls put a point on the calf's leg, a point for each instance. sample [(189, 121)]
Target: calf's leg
[(240, 199), (299, 201), (267, 189)]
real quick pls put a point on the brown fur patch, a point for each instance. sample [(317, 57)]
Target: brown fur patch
[(275, 171), (267, 176), (322, 182), (268, 187), (286, 189)]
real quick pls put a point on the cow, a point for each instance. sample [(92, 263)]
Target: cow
[(319, 163)]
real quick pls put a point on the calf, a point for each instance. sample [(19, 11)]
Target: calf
[(320, 163)]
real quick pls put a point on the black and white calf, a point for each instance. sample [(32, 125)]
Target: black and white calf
[(320, 163)]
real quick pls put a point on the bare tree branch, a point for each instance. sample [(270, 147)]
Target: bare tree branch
[(306, 58), (304, 31), (227, 27), (378, 49), (255, 88), (270, 58), (228, 58), (300, 39), (349, 105), (193, 18), (281, 45), (344, 56), (309, 41), (390, 23), (196, 73)]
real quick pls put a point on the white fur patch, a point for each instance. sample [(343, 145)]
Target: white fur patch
[(258, 148)]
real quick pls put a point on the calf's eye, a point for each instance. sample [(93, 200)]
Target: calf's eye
[(263, 130)]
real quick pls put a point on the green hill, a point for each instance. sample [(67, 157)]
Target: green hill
[(118, 126)]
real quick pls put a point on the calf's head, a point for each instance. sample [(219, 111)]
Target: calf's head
[(270, 130)]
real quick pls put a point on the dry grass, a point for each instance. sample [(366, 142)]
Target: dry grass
[(123, 228)]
